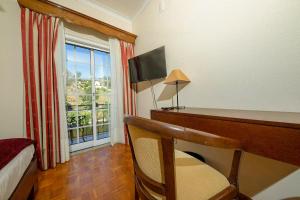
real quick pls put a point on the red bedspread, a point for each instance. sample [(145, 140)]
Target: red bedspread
[(9, 148)]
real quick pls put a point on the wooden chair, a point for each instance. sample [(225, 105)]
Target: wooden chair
[(161, 172)]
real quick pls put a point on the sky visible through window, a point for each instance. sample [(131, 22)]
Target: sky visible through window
[(78, 61)]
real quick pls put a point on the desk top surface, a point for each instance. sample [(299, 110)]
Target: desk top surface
[(286, 119)]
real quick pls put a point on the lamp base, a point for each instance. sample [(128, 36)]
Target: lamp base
[(173, 108)]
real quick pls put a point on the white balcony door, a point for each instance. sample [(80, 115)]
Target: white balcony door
[(88, 95)]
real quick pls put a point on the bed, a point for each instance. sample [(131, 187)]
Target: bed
[(18, 169)]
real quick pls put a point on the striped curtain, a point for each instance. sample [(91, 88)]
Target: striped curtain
[(42, 95), (129, 91)]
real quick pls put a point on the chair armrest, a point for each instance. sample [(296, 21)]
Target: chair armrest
[(166, 130)]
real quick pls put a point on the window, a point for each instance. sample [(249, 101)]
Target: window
[(87, 96)]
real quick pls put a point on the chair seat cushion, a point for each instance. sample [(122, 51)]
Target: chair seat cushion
[(195, 180)]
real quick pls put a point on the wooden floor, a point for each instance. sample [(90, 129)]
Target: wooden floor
[(105, 173)]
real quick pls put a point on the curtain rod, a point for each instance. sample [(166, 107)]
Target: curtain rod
[(77, 18)]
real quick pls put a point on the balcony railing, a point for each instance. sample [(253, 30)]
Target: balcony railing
[(86, 138)]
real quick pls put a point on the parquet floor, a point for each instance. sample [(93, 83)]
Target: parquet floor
[(105, 174)]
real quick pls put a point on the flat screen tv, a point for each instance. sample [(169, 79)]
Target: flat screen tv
[(148, 66)]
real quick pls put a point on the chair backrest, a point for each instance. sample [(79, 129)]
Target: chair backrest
[(153, 157), (152, 147)]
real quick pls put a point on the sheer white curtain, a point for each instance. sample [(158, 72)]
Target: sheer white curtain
[(116, 125), (60, 60)]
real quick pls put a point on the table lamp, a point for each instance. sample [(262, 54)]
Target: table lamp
[(176, 77)]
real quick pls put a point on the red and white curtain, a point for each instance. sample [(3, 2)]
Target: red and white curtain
[(43, 67), (123, 94), (129, 90)]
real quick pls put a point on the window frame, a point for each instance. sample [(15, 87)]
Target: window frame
[(92, 45)]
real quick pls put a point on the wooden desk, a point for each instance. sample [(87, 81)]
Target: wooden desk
[(274, 135)]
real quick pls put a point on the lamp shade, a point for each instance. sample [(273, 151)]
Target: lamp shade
[(176, 76)]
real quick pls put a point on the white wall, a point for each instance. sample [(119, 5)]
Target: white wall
[(11, 74), (97, 12), (238, 54), (241, 54)]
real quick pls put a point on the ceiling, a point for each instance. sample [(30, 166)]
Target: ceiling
[(125, 8)]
